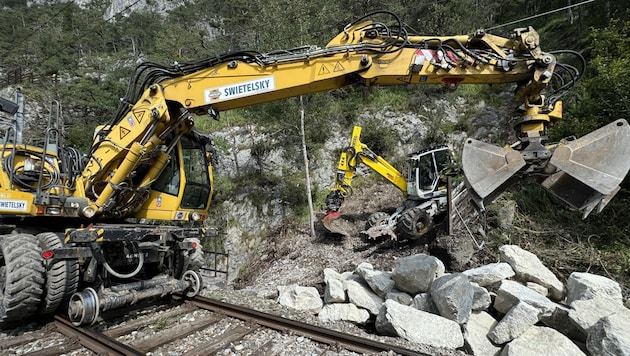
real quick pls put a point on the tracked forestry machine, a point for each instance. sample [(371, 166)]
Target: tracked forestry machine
[(423, 184), (77, 230)]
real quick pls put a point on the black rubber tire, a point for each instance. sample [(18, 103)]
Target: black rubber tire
[(376, 219), (195, 259), (413, 223), (62, 277), (188, 260), (21, 277)]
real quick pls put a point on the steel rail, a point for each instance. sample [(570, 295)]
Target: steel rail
[(97, 342), (326, 336)]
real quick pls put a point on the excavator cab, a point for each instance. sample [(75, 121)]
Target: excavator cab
[(426, 172), (184, 188)]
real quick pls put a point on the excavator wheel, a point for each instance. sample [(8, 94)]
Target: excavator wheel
[(413, 223), (188, 260), (377, 219), (21, 277), (195, 260), (62, 277)]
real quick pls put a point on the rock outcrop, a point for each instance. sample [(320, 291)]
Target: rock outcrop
[(529, 311)]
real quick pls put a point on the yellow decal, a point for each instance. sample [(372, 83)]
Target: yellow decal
[(324, 70), (339, 67)]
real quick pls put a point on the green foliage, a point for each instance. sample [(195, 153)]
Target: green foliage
[(379, 137), (224, 188), (600, 243), (604, 95)]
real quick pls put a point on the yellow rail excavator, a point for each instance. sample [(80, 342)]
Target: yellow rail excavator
[(424, 186), (78, 230)]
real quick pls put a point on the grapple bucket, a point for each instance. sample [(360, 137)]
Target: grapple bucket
[(590, 169), (488, 169), (585, 173), (331, 223)]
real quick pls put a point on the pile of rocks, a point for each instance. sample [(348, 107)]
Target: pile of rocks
[(514, 307)]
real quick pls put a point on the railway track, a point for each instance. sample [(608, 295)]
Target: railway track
[(209, 327)]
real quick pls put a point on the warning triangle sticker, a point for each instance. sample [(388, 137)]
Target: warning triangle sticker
[(339, 67), (324, 70), (139, 114), (124, 132)]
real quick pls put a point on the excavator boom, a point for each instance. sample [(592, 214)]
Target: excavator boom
[(373, 53), (356, 153)]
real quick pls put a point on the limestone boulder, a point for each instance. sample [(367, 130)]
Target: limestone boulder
[(414, 274), (417, 326), (529, 268)]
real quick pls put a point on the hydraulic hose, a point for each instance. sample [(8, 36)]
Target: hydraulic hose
[(128, 275)]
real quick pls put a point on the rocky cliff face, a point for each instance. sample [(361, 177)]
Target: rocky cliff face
[(123, 7)]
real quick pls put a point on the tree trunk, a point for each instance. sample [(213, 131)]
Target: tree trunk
[(311, 214)]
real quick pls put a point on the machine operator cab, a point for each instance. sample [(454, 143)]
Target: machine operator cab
[(184, 188), (426, 176)]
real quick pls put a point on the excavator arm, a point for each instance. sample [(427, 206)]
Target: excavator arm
[(353, 155), (162, 100)]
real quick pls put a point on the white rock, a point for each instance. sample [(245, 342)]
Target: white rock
[(331, 273), (380, 282), (345, 312), (512, 292), (528, 268), (514, 323), (541, 341), (490, 274), (363, 297), (585, 313), (418, 326), (542, 290), (334, 292), (300, 298), (610, 335), (481, 298), (582, 286), (400, 297), (476, 334)]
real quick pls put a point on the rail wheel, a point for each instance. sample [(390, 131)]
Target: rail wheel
[(414, 223), (21, 277), (62, 277)]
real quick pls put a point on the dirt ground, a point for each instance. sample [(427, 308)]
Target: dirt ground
[(295, 257)]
